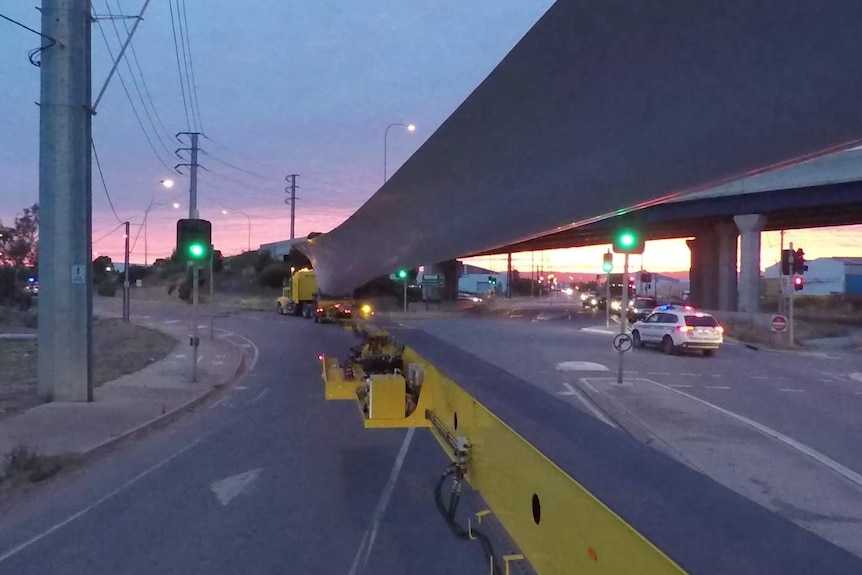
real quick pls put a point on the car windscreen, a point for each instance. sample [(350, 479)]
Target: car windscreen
[(700, 321)]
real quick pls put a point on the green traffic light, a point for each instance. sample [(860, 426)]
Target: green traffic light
[(627, 239), (607, 267), (402, 274), (196, 250)]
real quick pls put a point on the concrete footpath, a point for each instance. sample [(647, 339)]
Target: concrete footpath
[(131, 403)]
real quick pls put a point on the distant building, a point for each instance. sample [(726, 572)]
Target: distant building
[(476, 280), (280, 249), (825, 276)]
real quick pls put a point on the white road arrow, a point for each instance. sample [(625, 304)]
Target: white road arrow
[(228, 488)]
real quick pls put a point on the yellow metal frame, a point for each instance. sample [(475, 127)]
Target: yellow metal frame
[(556, 522)]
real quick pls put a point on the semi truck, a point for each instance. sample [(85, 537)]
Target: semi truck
[(300, 297)]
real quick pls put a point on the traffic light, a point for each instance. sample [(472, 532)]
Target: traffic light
[(628, 241), (401, 274), (608, 263), (194, 239), (799, 266), (786, 262), (492, 280), (798, 283)]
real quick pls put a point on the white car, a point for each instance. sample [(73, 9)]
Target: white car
[(675, 328)]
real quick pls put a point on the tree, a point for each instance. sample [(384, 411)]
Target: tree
[(102, 267), (22, 248)]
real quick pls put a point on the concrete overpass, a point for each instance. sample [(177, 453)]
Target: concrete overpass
[(822, 192)]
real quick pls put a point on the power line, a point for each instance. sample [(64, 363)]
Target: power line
[(131, 102), (31, 55), (104, 185), (134, 78), (186, 66), (179, 68), (143, 80), (235, 167), (107, 235), (192, 81)]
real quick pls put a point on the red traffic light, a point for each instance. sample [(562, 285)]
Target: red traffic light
[(798, 283)]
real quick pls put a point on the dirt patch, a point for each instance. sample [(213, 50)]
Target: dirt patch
[(118, 349)]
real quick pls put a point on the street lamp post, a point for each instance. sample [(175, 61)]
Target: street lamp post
[(410, 128), (247, 217), (167, 184)]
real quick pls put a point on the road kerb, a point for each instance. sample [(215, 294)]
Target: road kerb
[(170, 416)]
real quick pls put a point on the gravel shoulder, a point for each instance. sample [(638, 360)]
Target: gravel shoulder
[(118, 349)]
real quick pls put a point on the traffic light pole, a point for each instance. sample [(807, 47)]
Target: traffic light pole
[(126, 293), (195, 339), (608, 300), (624, 304), (212, 291), (405, 295), (791, 291)]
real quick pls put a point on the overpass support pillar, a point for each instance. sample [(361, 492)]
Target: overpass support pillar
[(727, 233), (750, 226), (703, 275)]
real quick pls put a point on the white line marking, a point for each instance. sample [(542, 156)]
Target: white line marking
[(830, 380), (589, 405), (855, 376), (759, 376), (844, 472), (200, 357), (260, 395), (580, 366), (679, 385), (658, 373), (20, 547), (364, 551), (718, 387), (717, 375), (217, 403), (229, 488), (169, 321), (568, 391), (792, 390), (690, 374), (590, 386)]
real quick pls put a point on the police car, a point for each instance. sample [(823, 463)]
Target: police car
[(675, 328)]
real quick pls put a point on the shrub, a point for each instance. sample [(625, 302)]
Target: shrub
[(273, 275), (263, 261), (107, 288), (138, 273)]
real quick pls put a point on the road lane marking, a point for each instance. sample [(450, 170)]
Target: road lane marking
[(260, 395), (791, 390), (718, 387), (690, 374), (365, 547), (684, 385), (169, 321), (589, 405), (855, 376), (844, 472), (658, 373), (581, 366), (229, 488), (107, 497), (759, 376), (568, 391)]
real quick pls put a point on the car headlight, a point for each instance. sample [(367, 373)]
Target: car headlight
[(594, 301), (584, 297), (615, 305), (366, 309)]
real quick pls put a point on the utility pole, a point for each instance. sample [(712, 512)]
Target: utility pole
[(193, 167), (509, 276), (623, 317), (791, 291), (126, 293), (291, 189), (64, 364), (782, 281)]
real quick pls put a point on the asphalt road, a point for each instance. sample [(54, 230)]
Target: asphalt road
[(266, 478), (813, 397)]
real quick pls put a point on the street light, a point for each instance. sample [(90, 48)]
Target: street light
[(168, 183), (409, 127), (248, 217)]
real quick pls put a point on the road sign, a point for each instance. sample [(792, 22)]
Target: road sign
[(79, 274), (622, 342), (779, 323), (432, 280)]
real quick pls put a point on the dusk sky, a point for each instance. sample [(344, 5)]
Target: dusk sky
[(283, 87)]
